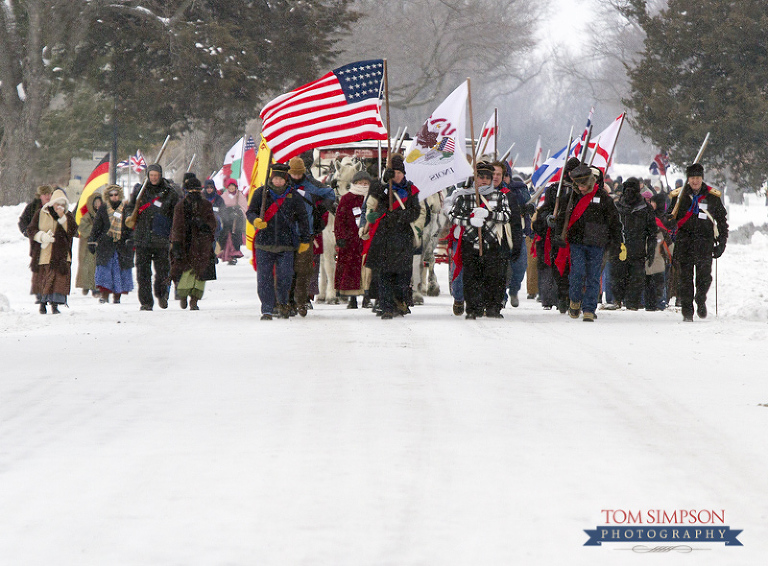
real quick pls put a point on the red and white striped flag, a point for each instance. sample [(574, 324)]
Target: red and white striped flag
[(340, 107), (537, 155)]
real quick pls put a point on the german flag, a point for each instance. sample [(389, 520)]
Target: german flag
[(97, 179)]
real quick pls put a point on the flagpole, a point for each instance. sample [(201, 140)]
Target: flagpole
[(703, 147), (610, 155), (482, 136), (474, 162), (389, 147), (496, 133)]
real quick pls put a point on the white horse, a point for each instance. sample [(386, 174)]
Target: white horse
[(340, 177)]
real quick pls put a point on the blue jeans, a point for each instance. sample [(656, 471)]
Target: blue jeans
[(586, 262), (268, 266), (457, 285), (518, 268)]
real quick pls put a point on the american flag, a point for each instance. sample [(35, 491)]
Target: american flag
[(446, 144), (138, 163), (340, 107)]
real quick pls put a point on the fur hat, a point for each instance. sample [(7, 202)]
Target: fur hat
[(155, 167), (279, 170), (296, 166), (695, 170), (485, 168), (57, 197), (397, 163), (582, 174), (632, 183), (44, 190), (114, 188), (186, 178), (362, 176), (193, 184)]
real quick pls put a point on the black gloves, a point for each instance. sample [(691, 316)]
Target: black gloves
[(551, 221), (719, 249), (92, 247), (529, 208), (389, 174)]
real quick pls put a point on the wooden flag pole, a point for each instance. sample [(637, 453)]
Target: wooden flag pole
[(701, 150), (610, 156), (474, 163), (389, 146), (496, 133)]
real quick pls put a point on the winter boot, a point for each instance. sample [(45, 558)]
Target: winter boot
[(352, 304), (183, 302), (162, 301), (366, 301), (401, 308), (283, 311), (614, 306), (266, 316), (115, 298), (589, 316), (701, 310), (54, 308), (43, 310), (514, 301), (562, 306), (458, 308), (193, 304), (302, 310), (575, 310), (104, 299)]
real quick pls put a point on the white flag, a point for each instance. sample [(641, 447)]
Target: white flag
[(436, 159), (605, 142), (487, 144)]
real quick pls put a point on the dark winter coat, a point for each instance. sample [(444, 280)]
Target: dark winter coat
[(286, 229), (156, 208), (695, 238), (313, 195), (218, 204), (517, 195), (599, 224), (638, 223), (106, 246), (548, 207), (29, 211), (392, 244), (349, 261), (192, 236)]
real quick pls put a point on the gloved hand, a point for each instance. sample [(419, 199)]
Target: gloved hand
[(551, 223), (719, 249), (303, 247), (389, 174), (340, 243), (478, 216), (259, 224), (47, 237), (92, 247), (529, 209), (623, 252)]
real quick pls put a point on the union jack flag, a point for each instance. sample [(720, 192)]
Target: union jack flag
[(138, 163), (123, 164)]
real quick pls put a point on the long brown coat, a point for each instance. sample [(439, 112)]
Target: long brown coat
[(192, 236), (54, 274)]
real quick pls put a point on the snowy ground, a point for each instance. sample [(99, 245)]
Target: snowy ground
[(211, 438)]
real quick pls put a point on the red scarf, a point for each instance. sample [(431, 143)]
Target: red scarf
[(564, 254), (268, 215)]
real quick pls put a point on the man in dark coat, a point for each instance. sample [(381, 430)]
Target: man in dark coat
[(192, 237), (702, 232), (638, 223), (484, 223), (592, 225), (553, 284), (392, 241), (42, 196), (277, 213), (151, 236)]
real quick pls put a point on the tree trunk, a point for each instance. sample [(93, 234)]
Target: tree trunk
[(16, 175)]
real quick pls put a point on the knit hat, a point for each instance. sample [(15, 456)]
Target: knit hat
[(296, 166), (155, 167), (211, 183), (362, 176), (397, 163), (193, 184), (571, 164), (695, 170)]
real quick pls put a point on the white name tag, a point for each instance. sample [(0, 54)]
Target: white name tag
[(117, 215), (215, 208), (596, 200), (703, 215), (157, 203), (703, 206), (357, 211)]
